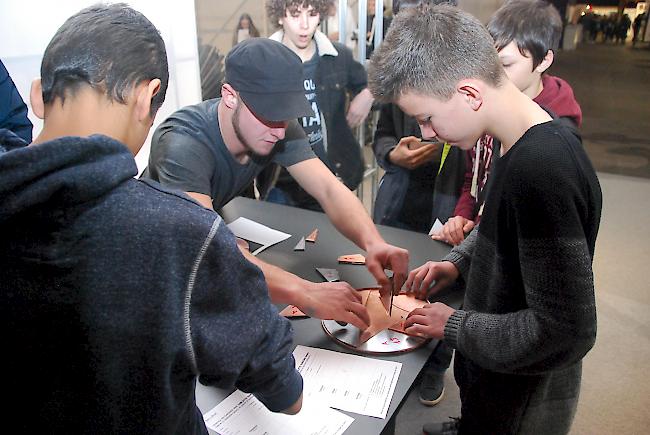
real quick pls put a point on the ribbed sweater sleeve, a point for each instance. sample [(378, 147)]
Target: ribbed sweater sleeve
[(529, 303)]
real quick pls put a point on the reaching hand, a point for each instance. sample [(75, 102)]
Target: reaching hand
[(428, 321), (440, 274), (359, 108), (334, 301), (410, 155), (453, 232), (382, 256)]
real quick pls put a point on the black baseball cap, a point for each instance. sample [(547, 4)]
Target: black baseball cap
[(269, 78)]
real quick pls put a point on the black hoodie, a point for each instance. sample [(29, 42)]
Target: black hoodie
[(118, 293)]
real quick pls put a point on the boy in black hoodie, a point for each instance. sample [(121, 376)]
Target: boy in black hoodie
[(117, 293)]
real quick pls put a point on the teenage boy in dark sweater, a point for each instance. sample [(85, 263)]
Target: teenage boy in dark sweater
[(118, 293), (529, 314), (526, 34)]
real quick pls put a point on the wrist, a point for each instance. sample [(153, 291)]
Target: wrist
[(372, 241), (390, 155), (289, 292)]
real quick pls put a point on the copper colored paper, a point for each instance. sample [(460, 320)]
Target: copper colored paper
[(403, 304), (312, 236), (292, 311), (352, 259)]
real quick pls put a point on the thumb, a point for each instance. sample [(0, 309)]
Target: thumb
[(469, 225), (376, 270), (438, 284)]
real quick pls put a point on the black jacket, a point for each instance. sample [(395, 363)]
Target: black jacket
[(338, 79), (430, 191)]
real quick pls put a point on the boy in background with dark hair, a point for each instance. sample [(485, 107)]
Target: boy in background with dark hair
[(118, 293), (529, 313), (526, 34)]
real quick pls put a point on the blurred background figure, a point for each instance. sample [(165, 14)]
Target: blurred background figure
[(350, 26), (245, 29), (13, 111)]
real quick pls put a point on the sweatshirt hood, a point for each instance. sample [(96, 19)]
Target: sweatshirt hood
[(557, 96), (60, 173)]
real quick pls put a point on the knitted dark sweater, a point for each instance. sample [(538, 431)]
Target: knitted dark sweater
[(529, 312)]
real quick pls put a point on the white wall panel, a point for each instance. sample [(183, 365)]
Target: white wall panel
[(27, 26)]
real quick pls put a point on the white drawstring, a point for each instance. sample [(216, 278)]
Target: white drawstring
[(477, 159)]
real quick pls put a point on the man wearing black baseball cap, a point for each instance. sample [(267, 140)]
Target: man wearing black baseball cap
[(214, 149), (267, 80)]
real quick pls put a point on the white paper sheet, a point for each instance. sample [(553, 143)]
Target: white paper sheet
[(347, 382), (257, 233), (242, 413), (437, 226)]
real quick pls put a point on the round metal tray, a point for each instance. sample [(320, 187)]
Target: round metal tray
[(385, 342)]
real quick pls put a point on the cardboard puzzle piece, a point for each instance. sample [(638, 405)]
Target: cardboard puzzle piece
[(300, 246), (312, 236), (352, 259), (292, 311)]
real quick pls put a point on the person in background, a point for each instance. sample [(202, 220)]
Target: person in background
[(245, 29), (529, 314), (351, 28), (526, 35), (331, 78), (13, 111), (118, 293)]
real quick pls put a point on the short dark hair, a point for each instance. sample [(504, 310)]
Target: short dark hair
[(534, 25), (429, 49), (403, 4), (277, 9), (111, 48)]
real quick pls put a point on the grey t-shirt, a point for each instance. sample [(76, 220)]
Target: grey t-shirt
[(188, 154)]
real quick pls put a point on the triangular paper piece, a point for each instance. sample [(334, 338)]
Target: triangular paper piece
[(312, 236), (300, 246), (292, 311), (330, 275), (352, 259)]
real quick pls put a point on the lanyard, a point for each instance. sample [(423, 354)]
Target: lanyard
[(445, 151)]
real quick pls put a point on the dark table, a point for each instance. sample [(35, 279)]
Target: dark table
[(324, 253)]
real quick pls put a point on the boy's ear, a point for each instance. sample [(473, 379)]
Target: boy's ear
[(36, 98), (144, 94), (229, 96), (546, 62), (471, 93)]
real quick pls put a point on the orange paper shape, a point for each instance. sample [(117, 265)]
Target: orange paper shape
[(352, 259), (403, 304), (292, 311), (312, 236)]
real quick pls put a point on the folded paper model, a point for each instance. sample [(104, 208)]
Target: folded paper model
[(403, 304)]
